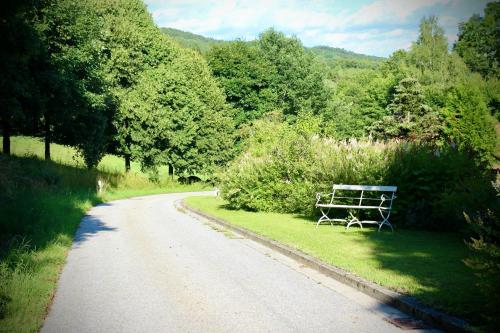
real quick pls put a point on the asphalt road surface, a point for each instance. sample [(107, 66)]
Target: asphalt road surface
[(145, 265)]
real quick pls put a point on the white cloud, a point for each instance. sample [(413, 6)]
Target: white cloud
[(390, 10), (378, 28)]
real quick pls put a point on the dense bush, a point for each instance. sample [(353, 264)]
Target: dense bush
[(285, 165), (485, 244)]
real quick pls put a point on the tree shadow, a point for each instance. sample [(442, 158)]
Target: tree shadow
[(89, 227), (43, 202)]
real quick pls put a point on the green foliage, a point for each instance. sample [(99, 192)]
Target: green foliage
[(468, 122), (299, 80), (285, 165), (359, 99), (246, 79), (337, 58), (175, 122), (275, 73), (479, 41), (60, 71), (430, 52), (486, 260), (409, 116), (192, 41)]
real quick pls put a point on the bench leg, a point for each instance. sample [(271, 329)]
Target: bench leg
[(324, 217), (353, 220), (385, 220)]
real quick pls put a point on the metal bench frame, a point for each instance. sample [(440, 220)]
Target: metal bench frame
[(384, 204)]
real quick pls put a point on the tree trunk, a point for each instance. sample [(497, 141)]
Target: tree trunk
[(127, 162), (47, 141), (6, 137), (171, 171)]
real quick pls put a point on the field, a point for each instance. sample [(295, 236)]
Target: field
[(41, 205), (427, 265)]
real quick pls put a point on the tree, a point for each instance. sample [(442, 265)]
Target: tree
[(245, 76), (179, 118), (429, 53), (485, 245), (479, 41), (69, 76), (359, 98), (469, 123), (410, 117), (20, 45), (299, 81), (132, 44)]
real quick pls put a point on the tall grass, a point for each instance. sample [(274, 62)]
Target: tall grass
[(284, 167), (41, 205)]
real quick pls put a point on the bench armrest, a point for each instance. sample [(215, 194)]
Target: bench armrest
[(384, 198), (320, 195)]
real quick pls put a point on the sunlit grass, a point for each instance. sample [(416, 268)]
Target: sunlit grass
[(423, 264), (29, 146)]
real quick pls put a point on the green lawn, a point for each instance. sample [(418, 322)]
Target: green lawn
[(423, 264), (28, 146), (41, 205)]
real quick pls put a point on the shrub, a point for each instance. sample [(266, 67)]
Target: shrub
[(486, 260), (285, 165)]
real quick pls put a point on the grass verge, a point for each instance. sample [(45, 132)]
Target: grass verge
[(426, 265)]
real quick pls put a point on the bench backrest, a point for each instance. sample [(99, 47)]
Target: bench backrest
[(364, 198), (365, 188)]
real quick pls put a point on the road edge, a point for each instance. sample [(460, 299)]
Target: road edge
[(402, 302)]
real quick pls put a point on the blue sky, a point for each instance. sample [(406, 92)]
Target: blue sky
[(375, 27)]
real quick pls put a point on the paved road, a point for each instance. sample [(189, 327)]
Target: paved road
[(144, 265)]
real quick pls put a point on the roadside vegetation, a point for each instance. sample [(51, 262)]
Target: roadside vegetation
[(101, 93)]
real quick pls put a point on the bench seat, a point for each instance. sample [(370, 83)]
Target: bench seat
[(352, 206)]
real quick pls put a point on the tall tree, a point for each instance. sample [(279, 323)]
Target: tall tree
[(20, 45), (245, 76), (430, 51), (133, 44), (179, 117), (69, 76), (299, 81), (479, 41), (468, 121)]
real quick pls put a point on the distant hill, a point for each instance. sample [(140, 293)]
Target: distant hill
[(343, 58), (192, 41), (333, 56)]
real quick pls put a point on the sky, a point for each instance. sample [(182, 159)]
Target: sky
[(374, 27)]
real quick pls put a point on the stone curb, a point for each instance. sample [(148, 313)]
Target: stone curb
[(402, 302)]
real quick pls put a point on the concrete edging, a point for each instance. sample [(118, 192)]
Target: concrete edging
[(402, 302)]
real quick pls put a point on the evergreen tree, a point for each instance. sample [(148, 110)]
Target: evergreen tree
[(410, 117)]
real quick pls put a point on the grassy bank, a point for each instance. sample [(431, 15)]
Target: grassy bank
[(423, 264), (41, 205)]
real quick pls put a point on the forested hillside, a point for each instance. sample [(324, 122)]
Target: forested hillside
[(192, 41), (333, 56)]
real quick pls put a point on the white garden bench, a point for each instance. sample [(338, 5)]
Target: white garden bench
[(357, 197)]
